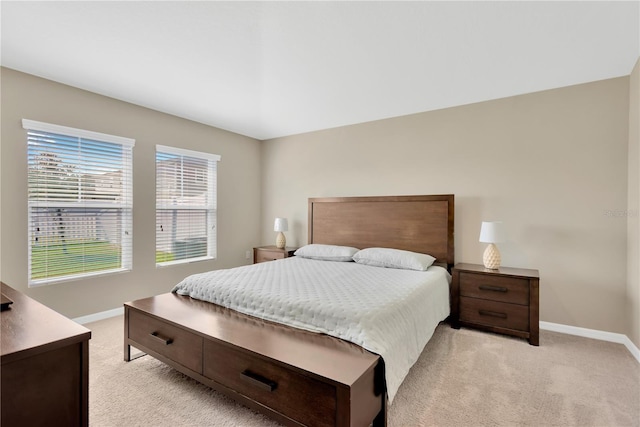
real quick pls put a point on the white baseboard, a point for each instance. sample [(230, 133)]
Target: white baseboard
[(595, 334), (99, 316)]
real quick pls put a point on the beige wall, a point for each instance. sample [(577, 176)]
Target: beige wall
[(552, 165), (633, 212), (25, 96)]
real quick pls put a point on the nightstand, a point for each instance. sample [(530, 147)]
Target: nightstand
[(271, 253), (505, 300)]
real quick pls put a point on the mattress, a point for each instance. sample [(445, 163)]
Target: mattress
[(390, 312)]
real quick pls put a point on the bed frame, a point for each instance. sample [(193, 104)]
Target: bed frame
[(294, 376)]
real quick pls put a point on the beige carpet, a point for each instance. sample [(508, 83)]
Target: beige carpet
[(463, 378)]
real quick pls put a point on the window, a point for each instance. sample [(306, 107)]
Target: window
[(185, 205), (79, 203)]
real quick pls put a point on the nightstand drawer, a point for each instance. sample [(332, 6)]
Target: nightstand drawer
[(271, 253), (495, 288), (264, 256), (492, 313)]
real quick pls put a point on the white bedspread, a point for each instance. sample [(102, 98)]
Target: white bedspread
[(390, 312)]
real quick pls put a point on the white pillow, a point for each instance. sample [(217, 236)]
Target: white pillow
[(394, 258), (326, 252)]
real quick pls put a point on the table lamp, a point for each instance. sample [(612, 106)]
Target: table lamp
[(280, 225), (492, 232)]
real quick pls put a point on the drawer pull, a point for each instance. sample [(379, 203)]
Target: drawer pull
[(492, 288), (492, 314), (258, 381), (163, 340)]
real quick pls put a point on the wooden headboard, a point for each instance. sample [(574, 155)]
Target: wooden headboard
[(414, 223)]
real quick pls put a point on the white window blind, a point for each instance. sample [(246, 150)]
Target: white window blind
[(80, 203), (185, 205)]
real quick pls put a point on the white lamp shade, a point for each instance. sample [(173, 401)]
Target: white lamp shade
[(492, 232), (281, 224)]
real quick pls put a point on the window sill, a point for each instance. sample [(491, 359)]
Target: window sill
[(183, 261)]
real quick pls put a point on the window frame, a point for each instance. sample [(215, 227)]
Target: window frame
[(211, 208), (124, 208)]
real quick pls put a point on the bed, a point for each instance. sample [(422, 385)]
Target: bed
[(295, 374)]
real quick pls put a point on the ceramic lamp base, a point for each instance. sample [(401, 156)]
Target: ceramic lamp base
[(491, 257), (281, 241)]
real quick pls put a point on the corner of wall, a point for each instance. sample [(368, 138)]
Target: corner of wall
[(633, 208)]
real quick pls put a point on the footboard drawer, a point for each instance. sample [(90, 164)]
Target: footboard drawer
[(294, 394), (170, 341)]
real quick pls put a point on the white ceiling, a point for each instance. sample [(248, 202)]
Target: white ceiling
[(269, 69)]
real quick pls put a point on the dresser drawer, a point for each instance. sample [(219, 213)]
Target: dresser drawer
[(175, 343), (302, 398), (264, 256), (492, 313), (495, 288)]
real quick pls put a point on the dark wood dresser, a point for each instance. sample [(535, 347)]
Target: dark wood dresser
[(45, 366), (505, 300)]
